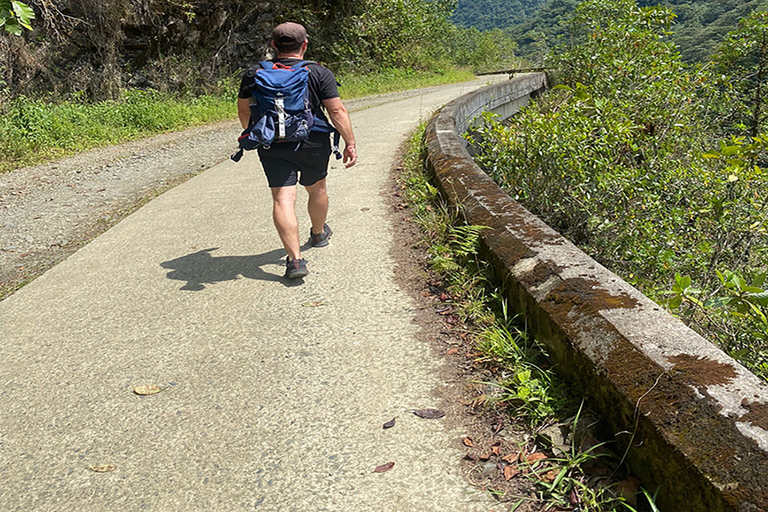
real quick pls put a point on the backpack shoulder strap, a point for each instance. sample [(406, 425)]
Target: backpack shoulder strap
[(266, 64)]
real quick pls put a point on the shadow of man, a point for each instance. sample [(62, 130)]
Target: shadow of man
[(201, 268)]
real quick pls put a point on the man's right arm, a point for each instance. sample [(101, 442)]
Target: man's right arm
[(244, 111), (343, 124)]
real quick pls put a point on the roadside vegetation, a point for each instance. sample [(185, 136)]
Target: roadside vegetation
[(399, 79), (655, 168), (380, 46), (559, 457), (35, 130)]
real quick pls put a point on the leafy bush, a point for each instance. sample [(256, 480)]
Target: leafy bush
[(617, 158), (15, 16), (482, 51), (392, 34)]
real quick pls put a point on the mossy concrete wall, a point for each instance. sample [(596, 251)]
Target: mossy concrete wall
[(694, 421)]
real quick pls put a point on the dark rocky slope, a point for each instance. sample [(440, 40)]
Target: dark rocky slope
[(98, 47)]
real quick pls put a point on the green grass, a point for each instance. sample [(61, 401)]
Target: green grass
[(34, 131), (393, 80)]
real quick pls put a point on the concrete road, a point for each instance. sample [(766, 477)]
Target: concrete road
[(273, 393)]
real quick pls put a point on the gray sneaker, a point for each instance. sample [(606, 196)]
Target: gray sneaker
[(295, 268), (320, 239)]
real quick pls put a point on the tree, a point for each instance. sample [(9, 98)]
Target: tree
[(393, 33), (15, 16), (742, 62)]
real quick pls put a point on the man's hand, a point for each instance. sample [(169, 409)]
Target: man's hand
[(340, 120), (350, 156)]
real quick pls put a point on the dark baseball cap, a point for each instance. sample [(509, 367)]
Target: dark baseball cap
[(289, 32)]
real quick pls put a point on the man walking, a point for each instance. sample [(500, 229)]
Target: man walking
[(286, 163)]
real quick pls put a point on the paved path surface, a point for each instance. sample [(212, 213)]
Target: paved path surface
[(274, 393)]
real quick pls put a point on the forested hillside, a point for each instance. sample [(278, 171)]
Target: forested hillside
[(489, 14), (702, 25), (538, 25)]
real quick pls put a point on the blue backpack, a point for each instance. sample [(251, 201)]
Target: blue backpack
[(281, 110)]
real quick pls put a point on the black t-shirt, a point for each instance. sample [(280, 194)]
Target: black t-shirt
[(322, 84)]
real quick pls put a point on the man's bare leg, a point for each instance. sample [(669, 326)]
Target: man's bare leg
[(284, 215), (317, 205)]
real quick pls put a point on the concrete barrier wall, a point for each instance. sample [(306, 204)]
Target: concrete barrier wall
[(694, 421)]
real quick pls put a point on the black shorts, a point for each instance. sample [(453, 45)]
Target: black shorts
[(284, 165)]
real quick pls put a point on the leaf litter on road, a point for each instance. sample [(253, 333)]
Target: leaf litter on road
[(390, 423), (103, 468), (147, 390), (429, 414), (510, 472), (511, 458), (536, 457), (384, 467)]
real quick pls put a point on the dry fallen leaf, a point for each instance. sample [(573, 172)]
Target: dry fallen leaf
[(536, 457), (384, 467), (510, 472), (147, 390), (451, 351), (390, 423), (104, 468), (511, 458), (468, 442), (429, 414), (496, 448), (550, 476)]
